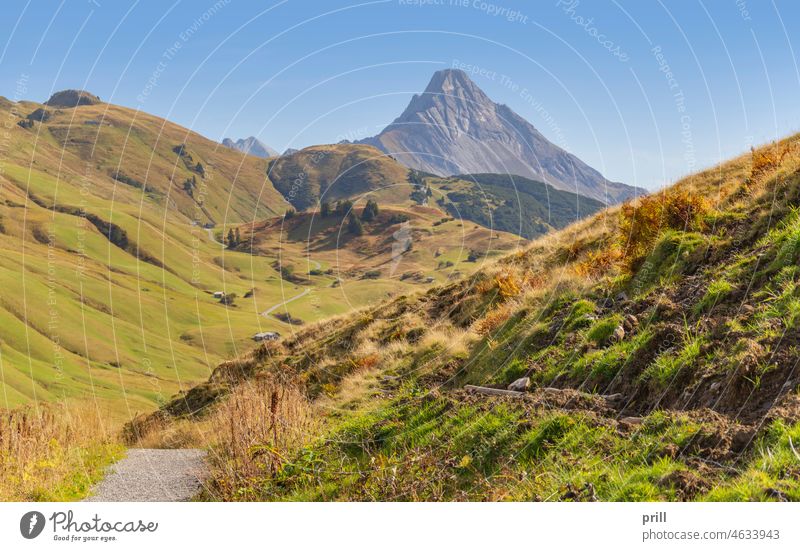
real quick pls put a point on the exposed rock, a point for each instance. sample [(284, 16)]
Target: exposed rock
[(521, 384), (612, 397), (72, 98), (618, 334), (454, 128), (493, 391), (250, 146), (631, 421), (40, 115)]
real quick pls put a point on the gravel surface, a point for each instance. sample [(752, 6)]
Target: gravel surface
[(153, 475)]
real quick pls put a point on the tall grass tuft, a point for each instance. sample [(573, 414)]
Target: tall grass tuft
[(53, 452), (254, 432)]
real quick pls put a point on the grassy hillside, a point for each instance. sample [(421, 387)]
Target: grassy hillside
[(345, 171), (511, 203), (107, 280), (409, 245), (108, 272), (658, 339)]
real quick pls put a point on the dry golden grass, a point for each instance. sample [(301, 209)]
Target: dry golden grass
[(249, 434), (53, 453), (493, 319)]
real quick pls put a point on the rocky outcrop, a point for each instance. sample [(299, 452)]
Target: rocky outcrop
[(454, 128), (72, 98)]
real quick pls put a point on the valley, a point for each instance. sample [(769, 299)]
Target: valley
[(113, 239), (342, 322)]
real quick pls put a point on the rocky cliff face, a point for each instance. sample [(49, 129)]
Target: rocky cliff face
[(453, 127), (250, 146)]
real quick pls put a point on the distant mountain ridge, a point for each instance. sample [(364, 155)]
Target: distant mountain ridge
[(453, 127), (513, 203), (250, 146)]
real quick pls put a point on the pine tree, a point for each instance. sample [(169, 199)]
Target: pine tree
[(231, 239), (354, 225), (325, 209), (370, 211), (343, 207)]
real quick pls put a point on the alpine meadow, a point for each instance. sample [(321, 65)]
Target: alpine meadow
[(400, 251)]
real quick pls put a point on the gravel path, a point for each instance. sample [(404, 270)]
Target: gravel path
[(153, 475)]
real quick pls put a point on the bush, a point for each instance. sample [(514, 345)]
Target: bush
[(642, 224), (599, 263), (767, 159)]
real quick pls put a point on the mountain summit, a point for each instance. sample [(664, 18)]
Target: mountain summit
[(453, 127), (250, 146)]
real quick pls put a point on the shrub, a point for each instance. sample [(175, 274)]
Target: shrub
[(370, 211), (508, 285), (642, 224), (599, 263), (766, 159), (228, 299), (325, 209), (492, 320)]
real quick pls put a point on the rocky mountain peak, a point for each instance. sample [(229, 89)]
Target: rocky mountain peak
[(250, 146), (453, 128)]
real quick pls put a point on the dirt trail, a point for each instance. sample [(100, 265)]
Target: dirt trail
[(268, 311), (153, 475)]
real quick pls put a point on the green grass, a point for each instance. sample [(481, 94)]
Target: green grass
[(579, 315), (606, 363), (601, 331), (771, 472), (85, 468), (717, 291), (667, 365), (421, 447)]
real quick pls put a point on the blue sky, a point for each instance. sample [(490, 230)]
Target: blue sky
[(644, 91)]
